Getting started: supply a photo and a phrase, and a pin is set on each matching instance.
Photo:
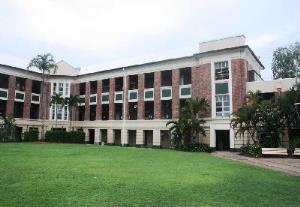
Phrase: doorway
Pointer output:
(91, 136)
(222, 140)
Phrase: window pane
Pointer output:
(222, 88)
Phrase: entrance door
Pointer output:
(91, 136)
(222, 140)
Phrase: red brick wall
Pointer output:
(11, 95)
(98, 108)
(27, 101)
(125, 94)
(201, 83)
(45, 100)
(157, 102)
(111, 98)
(175, 93)
(74, 90)
(239, 79)
(87, 101)
(141, 103)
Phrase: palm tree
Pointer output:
(72, 102)
(7, 128)
(190, 123)
(46, 65)
(57, 100)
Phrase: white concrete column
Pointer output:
(24, 129)
(40, 132)
(156, 137)
(139, 137)
(86, 132)
(97, 136)
(110, 136)
(124, 137)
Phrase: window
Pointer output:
(221, 70)
(54, 88)
(66, 113)
(222, 100)
(61, 88)
(67, 89)
(59, 112)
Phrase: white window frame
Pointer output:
(115, 95)
(104, 94)
(91, 96)
(35, 94)
(147, 90)
(185, 86)
(80, 97)
(137, 95)
(164, 88)
(4, 90)
(19, 100)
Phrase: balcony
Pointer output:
(19, 96)
(35, 98)
(149, 94)
(105, 98)
(93, 99)
(118, 97)
(166, 93)
(185, 91)
(132, 95)
(3, 94)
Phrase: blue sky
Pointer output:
(97, 35)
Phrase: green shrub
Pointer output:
(31, 136)
(252, 150)
(195, 147)
(58, 136)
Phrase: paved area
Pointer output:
(286, 165)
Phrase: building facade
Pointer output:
(131, 105)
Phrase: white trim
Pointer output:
(91, 96)
(147, 90)
(118, 93)
(185, 86)
(167, 88)
(35, 94)
(133, 91)
(103, 94)
(4, 90)
(213, 87)
(80, 97)
(223, 126)
(19, 100)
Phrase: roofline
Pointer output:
(149, 63)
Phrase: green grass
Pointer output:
(86, 175)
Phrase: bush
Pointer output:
(31, 136)
(65, 137)
(252, 150)
(195, 147)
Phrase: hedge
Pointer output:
(31, 136)
(252, 150)
(65, 137)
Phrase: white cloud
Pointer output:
(12, 60)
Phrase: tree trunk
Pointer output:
(43, 105)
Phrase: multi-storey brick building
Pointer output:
(131, 105)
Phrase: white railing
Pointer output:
(148, 91)
(17, 98)
(33, 100)
(3, 94)
(106, 101)
(163, 90)
(118, 97)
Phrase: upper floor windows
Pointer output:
(221, 70)
(62, 88)
(149, 80)
(166, 78)
(185, 76)
(222, 100)
(20, 84)
(105, 85)
(82, 88)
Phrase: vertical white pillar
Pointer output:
(86, 132)
(139, 137)
(156, 137)
(110, 136)
(97, 136)
(124, 137)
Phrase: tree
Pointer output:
(245, 119)
(46, 65)
(72, 102)
(286, 61)
(7, 128)
(57, 100)
(289, 109)
(189, 126)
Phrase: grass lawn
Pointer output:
(87, 175)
